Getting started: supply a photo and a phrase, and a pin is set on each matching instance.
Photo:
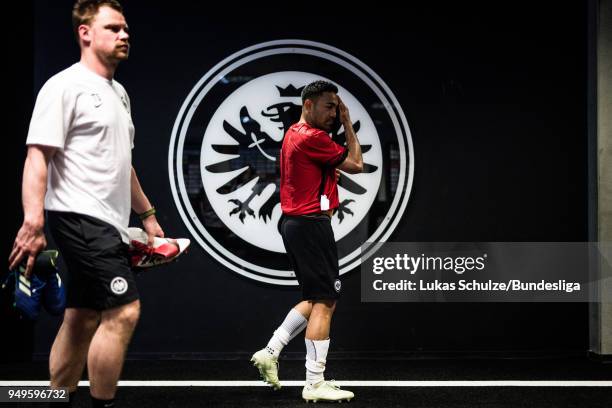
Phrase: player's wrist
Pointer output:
(34, 222)
(150, 212)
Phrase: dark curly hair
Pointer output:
(315, 89)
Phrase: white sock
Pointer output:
(316, 357)
(293, 324)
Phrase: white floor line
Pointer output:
(500, 383)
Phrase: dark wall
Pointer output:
(19, 97)
(496, 102)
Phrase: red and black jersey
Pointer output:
(306, 153)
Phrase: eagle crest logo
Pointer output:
(225, 144)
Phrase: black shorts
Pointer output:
(311, 247)
(99, 272)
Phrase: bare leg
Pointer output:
(69, 350)
(320, 319)
(108, 347)
(305, 308)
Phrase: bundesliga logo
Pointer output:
(225, 146)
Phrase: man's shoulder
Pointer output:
(67, 74)
(318, 138)
(307, 133)
(64, 79)
(119, 86)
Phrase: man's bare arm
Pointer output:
(31, 239)
(140, 204)
(354, 160)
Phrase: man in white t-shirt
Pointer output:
(78, 168)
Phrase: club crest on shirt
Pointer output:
(337, 285)
(225, 147)
(97, 101)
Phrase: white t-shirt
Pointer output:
(87, 117)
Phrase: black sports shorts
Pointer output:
(311, 247)
(99, 272)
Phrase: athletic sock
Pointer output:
(100, 403)
(293, 324)
(316, 357)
